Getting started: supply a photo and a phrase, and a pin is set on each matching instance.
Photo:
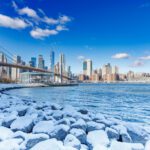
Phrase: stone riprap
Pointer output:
(26, 124)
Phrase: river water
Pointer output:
(130, 102)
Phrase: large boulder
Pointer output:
(137, 133)
(112, 133)
(79, 124)
(51, 144)
(91, 126)
(124, 135)
(97, 138)
(5, 133)
(79, 134)
(72, 141)
(24, 124)
(44, 127)
(115, 145)
(10, 144)
(60, 132)
(32, 139)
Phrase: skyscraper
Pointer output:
(87, 67)
(115, 70)
(41, 62)
(62, 65)
(33, 62)
(52, 60)
(107, 69)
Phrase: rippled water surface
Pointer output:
(130, 102)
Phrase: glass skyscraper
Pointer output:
(52, 60)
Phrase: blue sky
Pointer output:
(103, 30)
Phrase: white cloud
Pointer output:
(50, 20)
(64, 19)
(80, 57)
(61, 28)
(13, 23)
(28, 11)
(145, 57)
(121, 56)
(39, 33)
(137, 64)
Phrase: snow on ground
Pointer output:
(27, 124)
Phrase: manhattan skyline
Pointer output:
(107, 32)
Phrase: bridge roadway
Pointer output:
(31, 68)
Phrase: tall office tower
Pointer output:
(115, 70)
(69, 71)
(41, 62)
(62, 65)
(4, 71)
(107, 69)
(87, 67)
(15, 72)
(33, 61)
(52, 60)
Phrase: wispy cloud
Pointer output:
(145, 57)
(13, 23)
(121, 56)
(137, 64)
(39, 33)
(81, 57)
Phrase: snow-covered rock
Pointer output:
(84, 147)
(57, 114)
(79, 124)
(10, 144)
(112, 133)
(126, 146)
(5, 133)
(147, 145)
(122, 130)
(7, 121)
(32, 139)
(51, 144)
(44, 127)
(91, 126)
(60, 132)
(72, 141)
(79, 134)
(97, 138)
(137, 133)
(65, 121)
(24, 124)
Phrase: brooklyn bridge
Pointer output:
(9, 62)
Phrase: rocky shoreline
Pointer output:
(29, 125)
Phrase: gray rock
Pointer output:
(24, 124)
(80, 124)
(112, 134)
(91, 126)
(72, 141)
(60, 132)
(79, 134)
(83, 111)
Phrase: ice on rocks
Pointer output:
(79, 134)
(91, 126)
(51, 144)
(124, 135)
(24, 124)
(57, 114)
(32, 139)
(72, 141)
(137, 133)
(65, 121)
(115, 145)
(97, 138)
(147, 145)
(112, 134)
(79, 124)
(44, 127)
(5, 133)
(60, 132)
(10, 144)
